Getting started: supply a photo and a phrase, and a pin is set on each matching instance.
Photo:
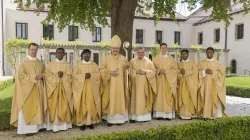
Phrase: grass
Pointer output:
(6, 98)
(238, 81)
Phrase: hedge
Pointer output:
(6, 83)
(234, 128)
(5, 120)
(238, 91)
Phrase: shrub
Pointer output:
(238, 91)
(5, 120)
(234, 128)
(6, 83)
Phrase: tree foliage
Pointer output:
(87, 13)
(14, 47)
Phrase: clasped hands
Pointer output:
(39, 76)
(140, 72)
(209, 71)
(162, 71)
(182, 71)
(87, 75)
(114, 73)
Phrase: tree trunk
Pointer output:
(122, 18)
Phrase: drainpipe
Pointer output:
(225, 38)
(2, 39)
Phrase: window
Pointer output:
(239, 31)
(73, 33)
(96, 58)
(48, 31)
(200, 38)
(217, 35)
(22, 30)
(71, 59)
(177, 37)
(97, 35)
(52, 56)
(158, 37)
(139, 36)
(150, 56)
(234, 66)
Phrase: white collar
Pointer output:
(212, 59)
(60, 61)
(84, 62)
(140, 59)
(185, 60)
(164, 56)
(31, 58)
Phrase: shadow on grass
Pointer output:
(5, 110)
(5, 104)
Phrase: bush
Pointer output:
(5, 120)
(234, 128)
(238, 91)
(6, 83)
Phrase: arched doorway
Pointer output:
(234, 66)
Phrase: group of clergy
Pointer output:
(55, 97)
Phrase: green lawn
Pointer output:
(6, 98)
(238, 81)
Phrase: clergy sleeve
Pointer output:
(174, 67)
(179, 75)
(219, 73)
(67, 76)
(51, 80)
(193, 69)
(67, 81)
(132, 70)
(80, 77)
(96, 74)
(24, 77)
(96, 80)
(50, 77)
(156, 68)
(105, 73)
(150, 74)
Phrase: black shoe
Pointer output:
(159, 119)
(30, 134)
(42, 130)
(82, 127)
(109, 124)
(167, 119)
(205, 119)
(91, 126)
(119, 124)
(132, 121)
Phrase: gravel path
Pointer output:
(99, 129)
(236, 106)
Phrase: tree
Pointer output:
(13, 48)
(87, 13)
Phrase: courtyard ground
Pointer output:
(236, 106)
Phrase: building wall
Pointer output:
(35, 29)
(1, 41)
(239, 49)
